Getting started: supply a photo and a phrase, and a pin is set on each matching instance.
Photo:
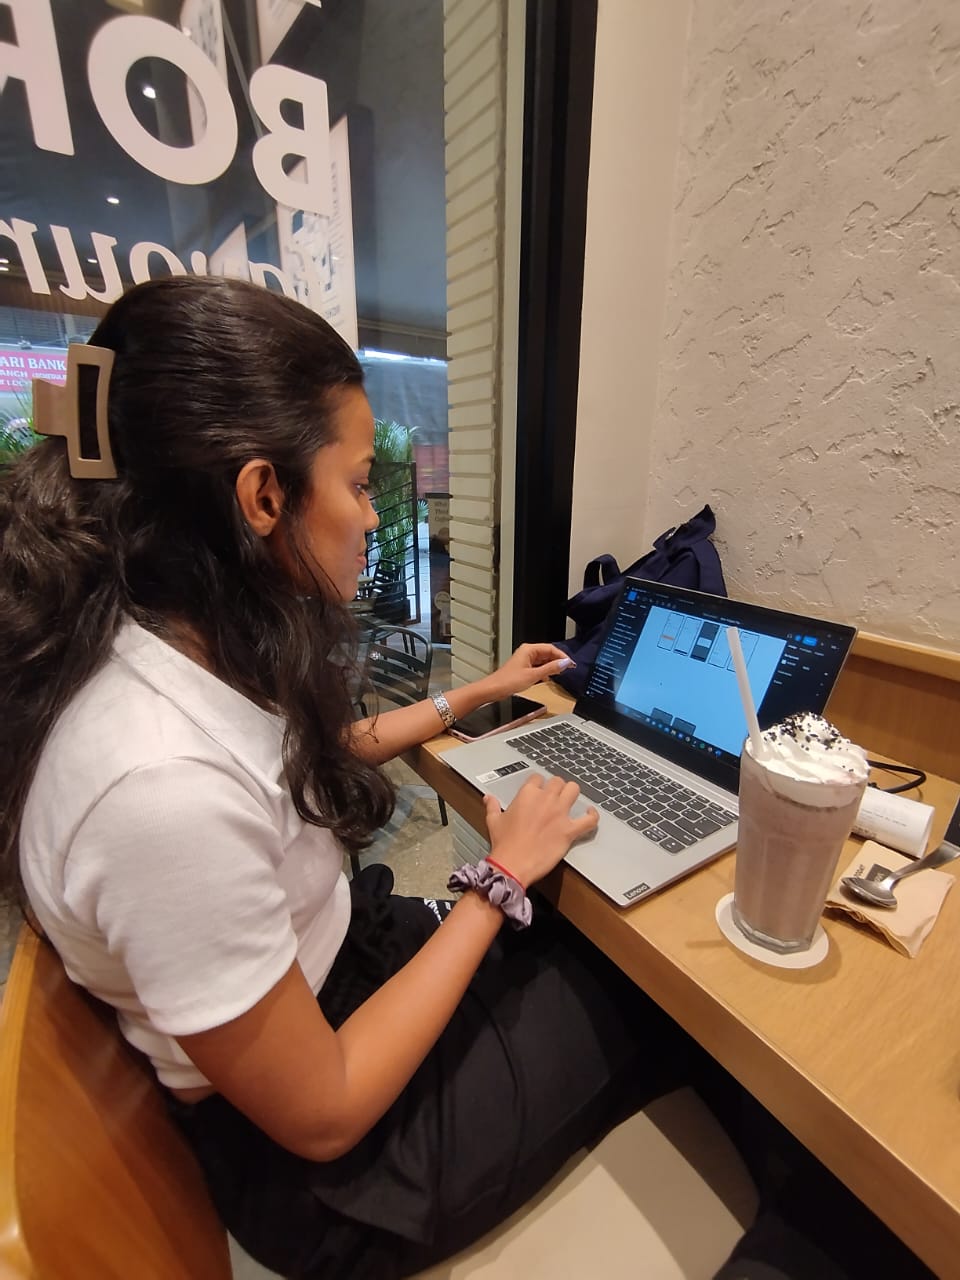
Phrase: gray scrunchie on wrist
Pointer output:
(502, 890)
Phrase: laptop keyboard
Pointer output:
(664, 811)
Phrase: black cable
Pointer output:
(916, 777)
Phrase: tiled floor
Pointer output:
(414, 844)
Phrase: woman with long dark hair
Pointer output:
(369, 1081)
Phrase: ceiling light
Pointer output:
(3, 268)
(93, 260)
(4, 259)
(149, 91)
(113, 199)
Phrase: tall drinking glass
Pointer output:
(792, 831)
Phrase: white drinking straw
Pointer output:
(746, 697)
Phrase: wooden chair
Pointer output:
(95, 1179)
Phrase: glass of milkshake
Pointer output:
(798, 803)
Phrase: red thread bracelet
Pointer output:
(500, 867)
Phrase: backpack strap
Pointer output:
(711, 570)
(603, 568)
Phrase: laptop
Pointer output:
(654, 742)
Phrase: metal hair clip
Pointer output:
(56, 411)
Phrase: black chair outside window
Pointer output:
(397, 666)
(388, 592)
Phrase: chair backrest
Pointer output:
(388, 592)
(385, 574)
(398, 664)
(95, 1178)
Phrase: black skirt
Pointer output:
(549, 1047)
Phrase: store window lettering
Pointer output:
(21, 233)
(33, 364)
(17, 368)
(123, 41)
(305, 191)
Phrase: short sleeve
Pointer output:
(176, 868)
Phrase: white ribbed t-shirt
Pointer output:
(163, 856)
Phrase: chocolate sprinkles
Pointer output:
(809, 732)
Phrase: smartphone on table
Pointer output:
(494, 717)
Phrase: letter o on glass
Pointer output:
(140, 255)
(114, 49)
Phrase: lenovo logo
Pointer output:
(637, 891)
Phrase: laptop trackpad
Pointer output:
(505, 788)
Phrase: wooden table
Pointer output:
(858, 1057)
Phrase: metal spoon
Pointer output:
(879, 893)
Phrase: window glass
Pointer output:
(295, 143)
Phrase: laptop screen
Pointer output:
(664, 675)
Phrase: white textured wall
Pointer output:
(809, 379)
(633, 153)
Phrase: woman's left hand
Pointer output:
(530, 663)
(398, 730)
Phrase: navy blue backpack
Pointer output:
(682, 557)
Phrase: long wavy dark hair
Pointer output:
(208, 374)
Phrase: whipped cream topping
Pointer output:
(806, 749)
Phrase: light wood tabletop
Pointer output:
(859, 1057)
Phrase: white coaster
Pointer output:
(816, 952)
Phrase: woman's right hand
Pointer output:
(531, 836)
